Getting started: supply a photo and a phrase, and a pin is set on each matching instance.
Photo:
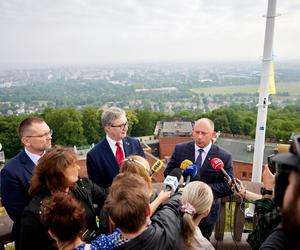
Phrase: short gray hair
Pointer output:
(111, 114)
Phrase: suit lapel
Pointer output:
(211, 154)
(27, 162)
(110, 156)
(190, 152)
(127, 147)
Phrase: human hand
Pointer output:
(268, 178)
(180, 190)
(242, 190)
(163, 196)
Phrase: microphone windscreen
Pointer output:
(191, 170)
(157, 166)
(176, 172)
(171, 183)
(216, 163)
(184, 164)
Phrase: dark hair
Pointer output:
(26, 124)
(63, 216)
(49, 172)
(127, 202)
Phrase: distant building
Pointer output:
(242, 151)
(169, 132)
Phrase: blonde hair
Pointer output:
(136, 164)
(198, 196)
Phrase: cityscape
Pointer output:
(162, 87)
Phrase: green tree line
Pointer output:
(81, 127)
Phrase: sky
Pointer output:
(121, 31)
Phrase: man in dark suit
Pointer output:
(35, 135)
(104, 160)
(200, 151)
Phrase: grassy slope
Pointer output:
(293, 88)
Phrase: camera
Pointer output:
(271, 164)
(284, 164)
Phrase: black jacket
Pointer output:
(33, 231)
(164, 231)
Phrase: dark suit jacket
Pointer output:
(15, 178)
(215, 179)
(102, 165)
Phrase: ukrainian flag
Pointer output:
(272, 88)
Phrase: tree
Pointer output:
(147, 121)
(9, 135)
(132, 121)
(222, 124)
(248, 126)
(67, 126)
(91, 124)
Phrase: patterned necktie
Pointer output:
(119, 154)
(199, 158)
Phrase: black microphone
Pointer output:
(217, 164)
(172, 180)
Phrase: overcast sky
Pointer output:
(105, 31)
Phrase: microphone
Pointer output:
(172, 180)
(217, 164)
(156, 167)
(185, 163)
(191, 172)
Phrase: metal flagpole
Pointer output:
(263, 102)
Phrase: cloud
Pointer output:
(91, 31)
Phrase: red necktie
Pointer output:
(119, 154)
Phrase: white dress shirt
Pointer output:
(204, 152)
(112, 144)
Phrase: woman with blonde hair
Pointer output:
(138, 165)
(196, 201)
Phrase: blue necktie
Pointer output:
(199, 158)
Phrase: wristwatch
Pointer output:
(264, 191)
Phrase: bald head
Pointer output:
(203, 132)
(207, 122)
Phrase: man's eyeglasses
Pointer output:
(50, 132)
(122, 126)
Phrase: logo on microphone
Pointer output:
(172, 182)
(216, 163)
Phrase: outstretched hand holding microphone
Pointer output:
(217, 164)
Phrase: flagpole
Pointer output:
(263, 102)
